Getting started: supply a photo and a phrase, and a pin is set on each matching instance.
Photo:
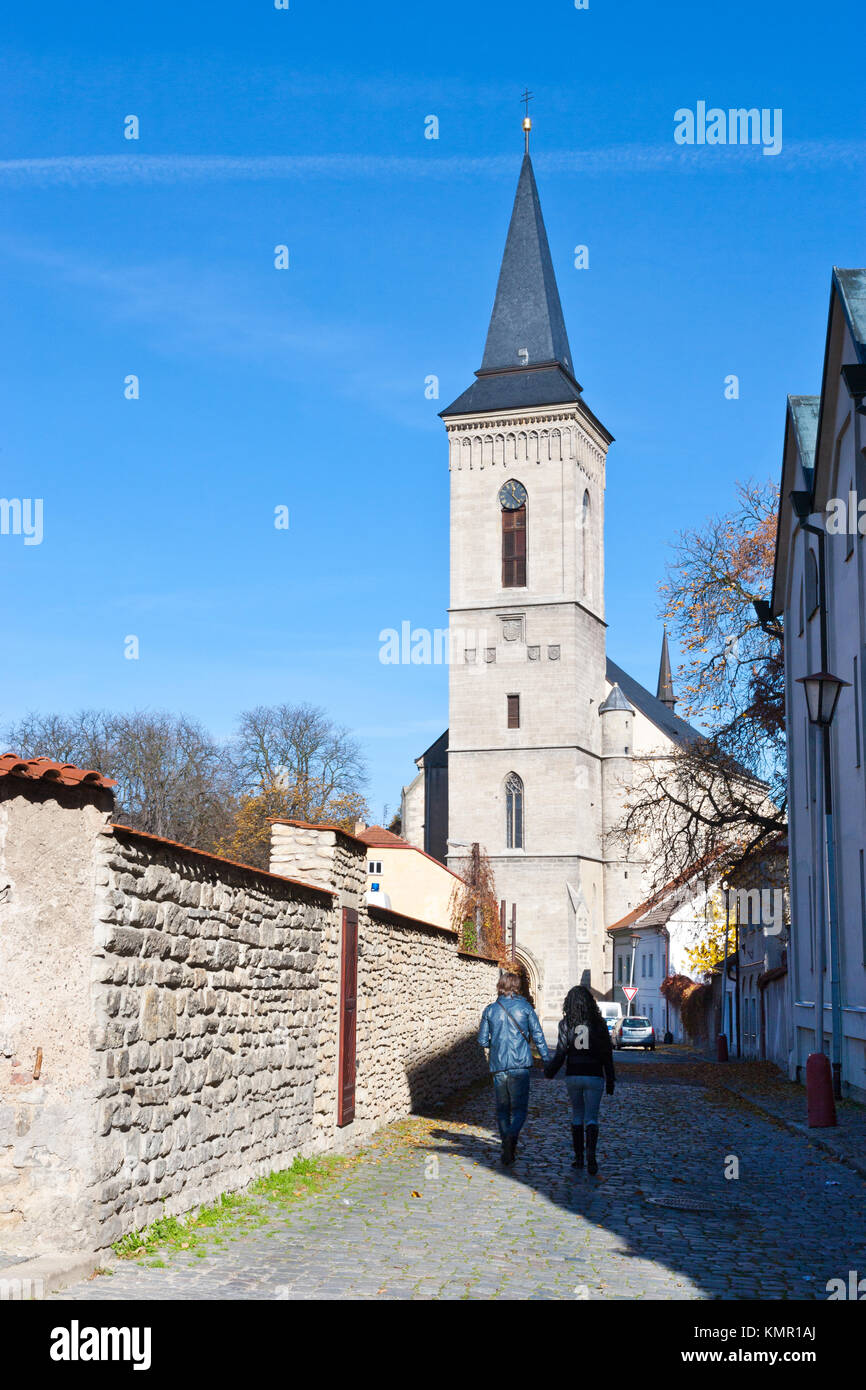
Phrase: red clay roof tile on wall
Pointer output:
(44, 770)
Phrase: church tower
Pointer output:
(527, 677)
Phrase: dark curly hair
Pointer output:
(579, 1007)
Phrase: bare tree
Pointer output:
(296, 748)
(173, 778)
(726, 787)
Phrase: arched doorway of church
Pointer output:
(528, 978)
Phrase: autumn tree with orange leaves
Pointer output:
(725, 789)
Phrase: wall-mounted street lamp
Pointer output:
(822, 696)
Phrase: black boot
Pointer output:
(508, 1146)
(577, 1141)
(591, 1142)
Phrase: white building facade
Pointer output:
(825, 461)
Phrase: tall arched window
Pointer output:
(584, 542)
(512, 501)
(513, 811)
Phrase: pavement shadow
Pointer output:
(680, 1215)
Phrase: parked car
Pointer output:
(635, 1032)
(611, 1013)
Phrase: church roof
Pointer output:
(527, 357)
(515, 390)
(527, 313)
(676, 729)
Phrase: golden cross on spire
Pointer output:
(527, 123)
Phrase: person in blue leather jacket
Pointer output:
(507, 1026)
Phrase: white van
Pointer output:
(611, 1012)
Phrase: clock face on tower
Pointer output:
(512, 495)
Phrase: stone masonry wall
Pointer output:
(169, 1021)
(419, 1007)
(208, 1011)
(419, 999)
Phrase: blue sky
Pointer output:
(305, 388)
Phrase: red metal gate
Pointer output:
(348, 1016)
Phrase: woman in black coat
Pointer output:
(585, 1047)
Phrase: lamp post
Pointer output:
(822, 695)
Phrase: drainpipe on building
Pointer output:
(804, 507)
(835, 981)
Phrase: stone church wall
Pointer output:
(185, 1014)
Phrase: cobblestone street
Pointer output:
(430, 1213)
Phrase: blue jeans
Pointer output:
(512, 1100)
(585, 1094)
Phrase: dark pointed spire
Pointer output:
(526, 327)
(665, 691)
(527, 358)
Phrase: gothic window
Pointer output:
(584, 541)
(513, 811)
(514, 547)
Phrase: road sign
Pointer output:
(629, 991)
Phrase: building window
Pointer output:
(513, 811)
(514, 548)
(811, 584)
(375, 866)
(513, 711)
(802, 612)
(651, 967)
(584, 542)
